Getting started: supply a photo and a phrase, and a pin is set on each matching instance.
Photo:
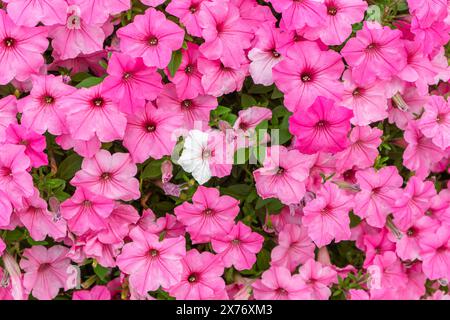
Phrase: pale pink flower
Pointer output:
(8, 114)
(435, 121)
(90, 113)
(435, 253)
(321, 127)
(42, 109)
(152, 263)
(167, 226)
(21, 49)
(152, 37)
(238, 247)
(30, 12)
(327, 216)
(208, 215)
(317, 279)
(303, 79)
(104, 253)
(298, 14)
(98, 11)
(45, 271)
(379, 191)
(130, 82)
(295, 247)
(96, 293)
(84, 148)
(201, 278)
(109, 175)
(150, 132)
(188, 12)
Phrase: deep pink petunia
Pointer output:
(435, 253)
(306, 73)
(150, 132)
(110, 175)
(152, 37)
(152, 263)
(239, 247)
(209, 214)
(435, 121)
(188, 12)
(321, 127)
(130, 82)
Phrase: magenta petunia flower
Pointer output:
(188, 12)
(303, 79)
(109, 175)
(30, 12)
(428, 11)
(239, 247)
(21, 49)
(149, 132)
(42, 109)
(298, 14)
(90, 113)
(318, 278)
(8, 114)
(208, 215)
(435, 122)
(152, 37)
(5, 209)
(201, 278)
(46, 271)
(295, 247)
(322, 127)
(86, 211)
(435, 253)
(152, 263)
(130, 82)
(327, 216)
(379, 191)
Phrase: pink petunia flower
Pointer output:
(428, 11)
(149, 132)
(122, 219)
(45, 271)
(322, 127)
(389, 270)
(375, 52)
(379, 191)
(96, 293)
(109, 175)
(277, 283)
(42, 109)
(167, 226)
(239, 247)
(298, 14)
(21, 49)
(431, 37)
(209, 214)
(435, 121)
(435, 253)
(104, 253)
(188, 12)
(130, 82)
(30, 12)
(6, 210)
(327, 216)
(317, 279)
(284, 175)
(152, 263)
(90, 113)
(98, 11)
(295, 247)
(201, 278)
(86, 211)
(152, 37)
(303, 79)
(8, 114)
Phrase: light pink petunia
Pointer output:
(30, 12)
(201, 278)
(327, 216)
(277, 283)
(21, 49)
(98, 11)
(318, 278)
(42, 109)
(239, 247)
(294, 247)
(324, 127)
(104, 253)
(379, 191)
(375, 52)
(167, 226)
(86, 211)
(152, 263)
(413, 202)
(90, 113)
(389, 270)
(264, 55)
(226, 36)
(435, 121)
(209, 214)
(435, 253)
(8, 114)
(6, 209)
(195, 111)
(306, 73)
(96, 293)
(298, 14)
(188, 12)
(362, 151)
(431, 37)
(130, 82)
(119, 223)
(76, 35)
(284, 175)
(152, 37)
(109, 175)
(149, 132)
(46, 271)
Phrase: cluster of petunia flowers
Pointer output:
(339, 82)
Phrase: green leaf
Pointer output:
(175, 62)
(247, 101)
(36, 243)
(55, 183)
(101, 272)
(152, 170)
(239, 191)
(263, 261)
(276, 94)
(89, 82)
(69, 166)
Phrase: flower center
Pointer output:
(236, 241)
(126, 75)
(9, 42)
(332, 11)
(280, 170)
(208, 212)
(371, 46)
(49, 99)
(98, 102)
(306, 77)
(440, 118)
(193, 9)
(150, 127)
(153, 41)
(87, 203)
(154, 253)
(276, 54)
(105, 176)
(73, 22)
(5, 172)
(411, 232)
(207, 154)
(321, 124)
(281, 291)
(192, 278)
(186, 103)
(189, 69)
(44, 267)
(356, 92)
